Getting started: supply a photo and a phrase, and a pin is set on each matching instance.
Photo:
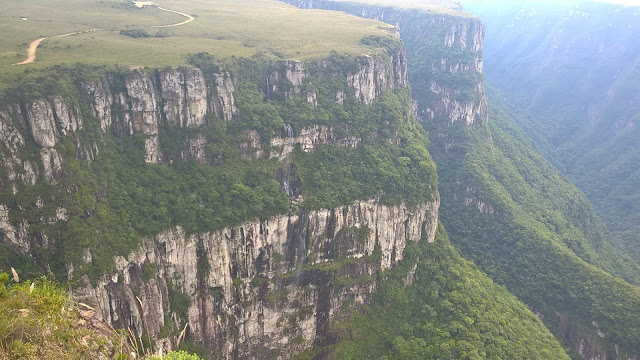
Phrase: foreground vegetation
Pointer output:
(39, 320)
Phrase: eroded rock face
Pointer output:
(152, 151)
(144, 104)
(223, 104)
(457, 89)
(376, 75)
(587, 340)
(309, 139)
(261, 274)
(68, 118)
(100, 94)
(42, 124)
(184, 94)
(263, 285)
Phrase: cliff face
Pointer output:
(264, 289)
(141, 102)
(445, 54)
(454, 88)
(261, 289)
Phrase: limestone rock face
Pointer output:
(184, 95)
(10, 136)
(42, 124)
(295, 72)
(52, 164)
(144, 104)
(376, 75)
(462, 99)
(8, 233)
(68, 118)
(223, 104)
(196, 96)
(586, 341)
(309, 139)
(152, 151)
(101, 101)
(260, 273)
(195, 149)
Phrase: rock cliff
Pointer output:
(454, 88)
(445, 53)
(264, 289)
(261, 289)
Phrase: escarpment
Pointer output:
(446, 58)
(190, 196)
(263, 289)
(487, 215)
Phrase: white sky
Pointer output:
(623, 2)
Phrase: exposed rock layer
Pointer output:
(267, 282)
(261, 285)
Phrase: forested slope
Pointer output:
(570, 72)
(451, 310)
(505, 207)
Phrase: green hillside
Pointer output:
(451, 311)
(542, 242)
(571, 72)
(505, 207)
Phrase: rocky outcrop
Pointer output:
(588, 341)
(263, 289)
(449, 45)
(68, 118)
(260, 286)
(309, 139)
(42, 124)
(144, 104)
(184, 94)
(375, 76)
(223, 103)
(100, 94)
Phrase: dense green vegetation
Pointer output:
(404, 172)
(118, 199)
(576, 97)
(542, 240)
(451, 311)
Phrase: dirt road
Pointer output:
(189, 18)
(33, 47)
(31, 54)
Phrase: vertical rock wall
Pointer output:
(270, 287)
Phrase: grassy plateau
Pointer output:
(221, 27)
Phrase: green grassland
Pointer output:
(221, 27)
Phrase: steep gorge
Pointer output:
(264, 202)
(506, 208)
(258, 288)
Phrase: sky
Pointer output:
(622, 2)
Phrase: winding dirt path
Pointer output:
(31, 54)
(189, 18)
(33, 47)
